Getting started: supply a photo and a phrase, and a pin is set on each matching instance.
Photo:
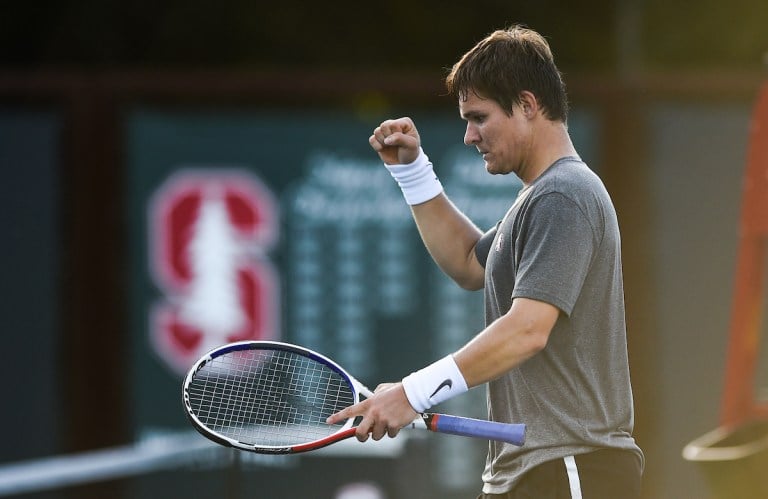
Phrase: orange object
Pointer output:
(739, 402)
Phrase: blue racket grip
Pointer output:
(468, 427)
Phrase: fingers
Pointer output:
(383, 414)
(383, 386)
(353, 411)
(400, 132)
(368, 427)
(375, 429)
(349, 412)
(377, 143)
(396, 141)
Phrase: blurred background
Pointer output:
(169, 164)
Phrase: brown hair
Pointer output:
(506, 63)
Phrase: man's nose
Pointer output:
(471, 136)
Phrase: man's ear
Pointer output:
(529, 104)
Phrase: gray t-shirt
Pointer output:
(560, 244)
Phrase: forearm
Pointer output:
(450, 237)
(506, 343)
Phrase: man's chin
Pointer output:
(492, 170)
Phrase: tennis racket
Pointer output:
(274, 398)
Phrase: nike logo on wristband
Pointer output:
(448, 382)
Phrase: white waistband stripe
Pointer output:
(573, 477)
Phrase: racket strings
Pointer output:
(268, 397)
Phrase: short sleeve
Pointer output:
(483, 246)
(555, 249)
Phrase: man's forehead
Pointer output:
(473, 103)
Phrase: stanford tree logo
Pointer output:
(210, 231)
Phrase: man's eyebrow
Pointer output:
(471, 114)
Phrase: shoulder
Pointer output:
(568, 175)
(570, 192)
(572, 180)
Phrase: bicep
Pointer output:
(475, 274)
(477, 260)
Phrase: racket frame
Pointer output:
(345, 430)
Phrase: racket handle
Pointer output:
(468, 427)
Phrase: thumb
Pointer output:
(407, 146)
(401, 139)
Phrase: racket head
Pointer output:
(268, 397)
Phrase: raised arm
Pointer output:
(449, 236)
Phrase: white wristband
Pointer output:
(434, 384)
(417, 180)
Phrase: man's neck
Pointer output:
(551, 143)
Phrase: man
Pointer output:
(554, 350)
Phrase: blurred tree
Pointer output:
(344, 34)
(350, 34)
(706, 33)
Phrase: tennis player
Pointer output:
(554, 349)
